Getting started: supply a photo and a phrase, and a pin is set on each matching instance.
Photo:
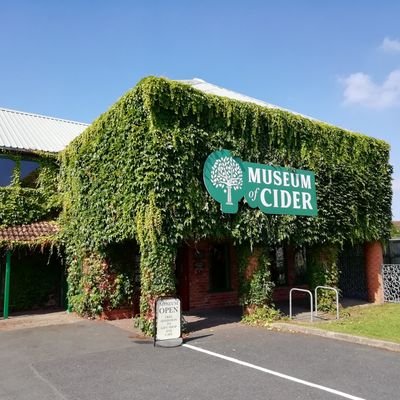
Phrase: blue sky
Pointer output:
(337, 61)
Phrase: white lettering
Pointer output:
(306, 197)
(254, 175)
(267, 180)
(286, 200)
(295, 182)
(286, 179)
(277, 178)
(296, 200)
(306, 181)
(276, 198)
(262, 197)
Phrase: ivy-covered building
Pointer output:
(30, 204)
(137, 222)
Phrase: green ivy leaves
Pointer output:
(20, 205)
(136, 173)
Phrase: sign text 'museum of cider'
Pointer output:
(274, 190)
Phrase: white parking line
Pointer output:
(278, 374)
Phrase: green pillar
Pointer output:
(7, 284)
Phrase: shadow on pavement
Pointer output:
(190, 338)
(211, 318)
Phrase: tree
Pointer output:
(395, 232)
(227, 174)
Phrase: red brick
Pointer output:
(199, 294)
(373, 263)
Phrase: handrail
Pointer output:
(290, 301)
(316, 299)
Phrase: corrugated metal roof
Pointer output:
(209, 88)
(27, 132)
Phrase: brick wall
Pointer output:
(252, 263)
(281, 293)
(199, 293)
(373, 262)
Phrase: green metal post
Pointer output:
(7, 284)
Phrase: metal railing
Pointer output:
(312, 300)
(316, 299)
(391, 282)
(290, 301)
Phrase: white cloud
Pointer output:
(396, 185)
(359, 88)
(390, 45)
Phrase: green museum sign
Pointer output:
(274, 190)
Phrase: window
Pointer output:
(392, 253)
(29, 173)
(219, 268)
(278, 266)
(300, 266)
(288, 266)
(6, 171)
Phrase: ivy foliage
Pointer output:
(94, 287)
(322, 268)
(255, 285)
(136, 173)
(23, 205)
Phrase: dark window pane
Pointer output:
(6, 169)
(219, 267)
(300, 266)
(29, 173)
(394, 252)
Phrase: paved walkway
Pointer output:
(209, 321)
(90, 360)
(212, 319)
(37, 319)
(202, 322)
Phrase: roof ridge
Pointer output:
(195, 82)
(43, 116)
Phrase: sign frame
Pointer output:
(176, 340)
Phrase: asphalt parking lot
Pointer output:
(99, 360)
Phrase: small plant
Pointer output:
(145, 325)
(262, 316)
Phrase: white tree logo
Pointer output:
(227, 174)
